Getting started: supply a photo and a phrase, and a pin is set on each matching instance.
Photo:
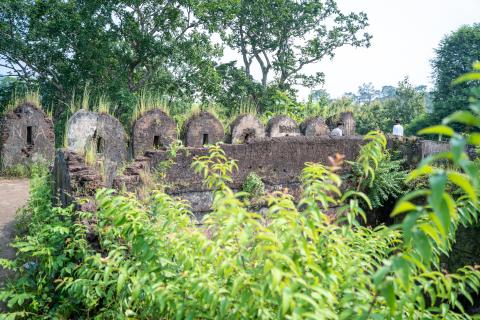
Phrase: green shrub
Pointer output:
(311, 260)
(386, 180)
(253, 185)
(136, 259)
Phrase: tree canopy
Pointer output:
(122, 48)
(284, 36)
(454, 57)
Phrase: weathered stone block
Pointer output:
(73, 179)
(348, 121)
(104, 133)
(202, 129)
(153, 130)
(277, 161)
(246, 128)
(314, 126)
(282, 126)
(26, 136)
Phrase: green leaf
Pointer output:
(402, 268)
(379, 276)
(402, 207)
(286, 300)
(430, 231)
(472, 76)
(462, 181)
(438, 129)
(388, 292)
(122, 277)
(474, 138)
(438, 203)
(464, 117)
(422, 171)
(422, 245)
(458, 145)
(408, 224)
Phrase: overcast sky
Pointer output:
(405, 34)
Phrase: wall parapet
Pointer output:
(277, 161)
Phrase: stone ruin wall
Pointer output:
(26, 136)
(277, 161)
(154, 129)
(276, 152)
(106, 137)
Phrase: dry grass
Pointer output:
(147, 101)
(32, 97)
(90, 154)
(85, 104)
(247, 106)
(103, 105)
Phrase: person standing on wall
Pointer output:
(397, 129)
(337, 132)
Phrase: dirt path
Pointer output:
(13, 195)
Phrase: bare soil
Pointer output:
(13, 195)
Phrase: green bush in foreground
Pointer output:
(148, 260)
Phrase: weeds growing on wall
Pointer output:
(147, 101)
(253, 185)
(29, 96)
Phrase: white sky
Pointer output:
(405, 34)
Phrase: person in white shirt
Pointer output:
(337, 132)
(398, 129)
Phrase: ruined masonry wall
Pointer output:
(72, 179)
(278, 162)
(26, 136)
(153, 130)
(105, 134)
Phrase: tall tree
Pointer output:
(284, 36)
(366, 93)
(454, 57)
(406, 104)
(120, 47)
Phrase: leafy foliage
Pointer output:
(138, 259)
(454, 57)
(376, 174)
(389, 182)
(307, 260)
(405, 104)
(253, 185)
(122, 47)
(283, 37)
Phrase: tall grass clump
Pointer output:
(30, 96)
(103, 105)
(147, 101)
